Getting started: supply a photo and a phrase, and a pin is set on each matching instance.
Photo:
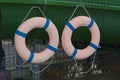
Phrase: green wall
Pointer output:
(106, 14)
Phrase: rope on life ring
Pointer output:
(25, 28)
(67, 33)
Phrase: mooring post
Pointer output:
(36, 76)
(19, 69)
(35, 67)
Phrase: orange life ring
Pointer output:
(67, 32)
(27, 26)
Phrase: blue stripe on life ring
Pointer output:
(46, 24)
(52, 48)
(90, 24)
(31, 57)
(22, 34)
(70, 26)
(93, 46)
(74, 53)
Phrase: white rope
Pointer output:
(20, 64)
(43, 68)
(92, 65)
(30, 12)
(86, 11)
(44, 7)
(74, 12)
(79, 67)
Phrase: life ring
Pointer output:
(25, 28)
(67, 32)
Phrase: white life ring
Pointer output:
(27, 26)
(67, 32)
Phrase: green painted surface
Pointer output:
(100, 4)
(106, 14)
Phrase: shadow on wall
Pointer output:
(2, 53)
(4, 74)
